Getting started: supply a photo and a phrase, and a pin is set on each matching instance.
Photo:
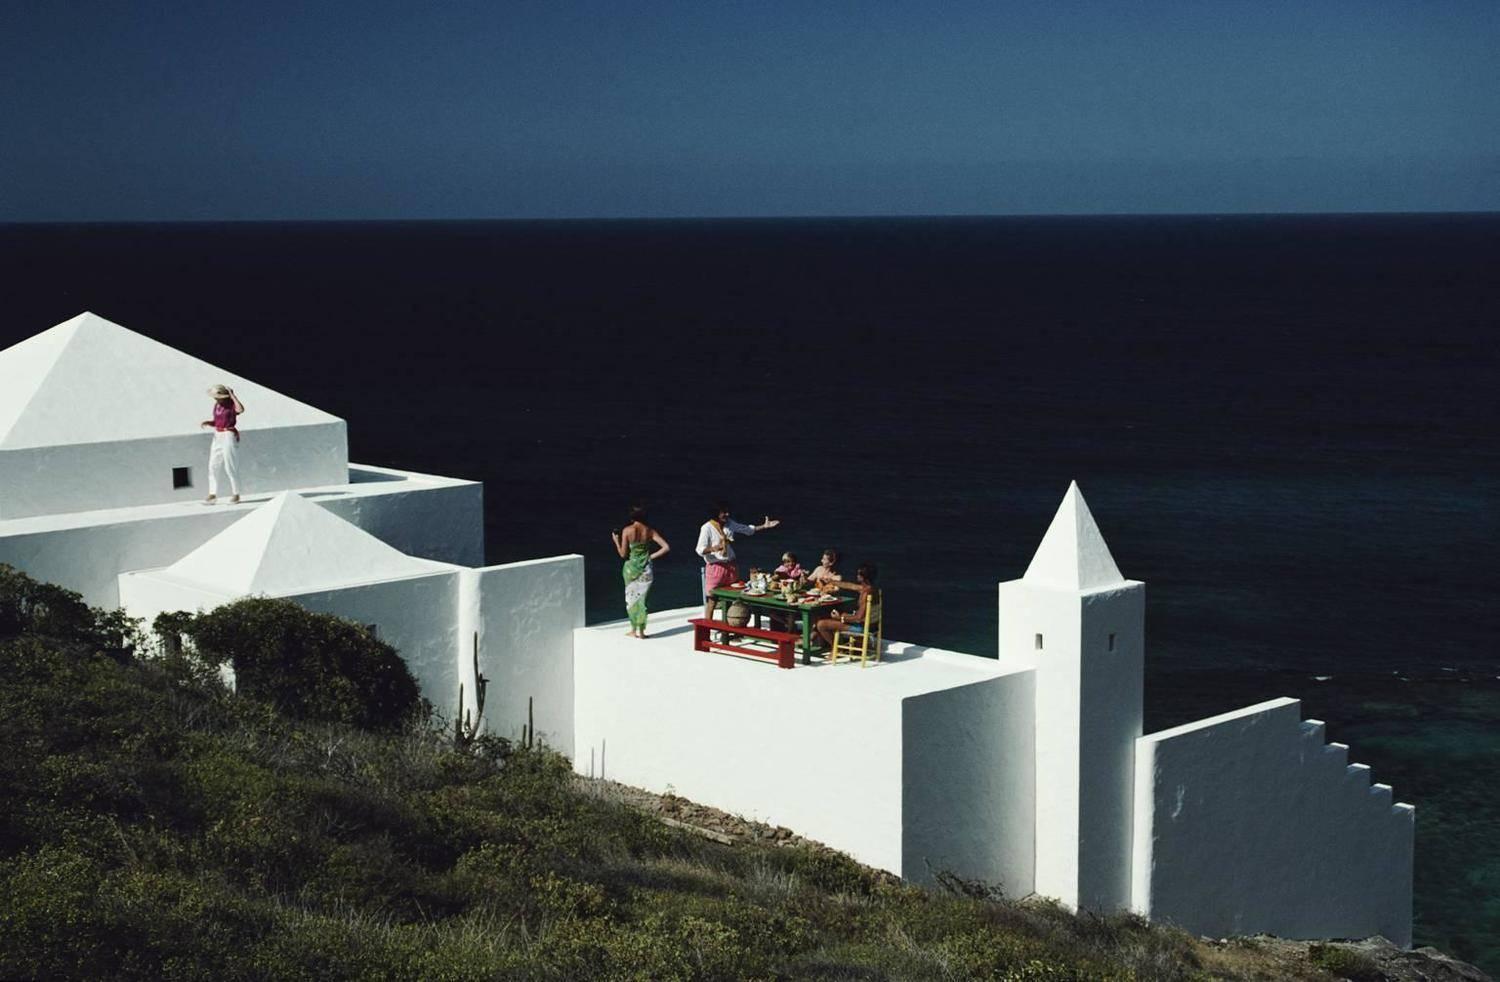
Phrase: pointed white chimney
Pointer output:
(1073, 555)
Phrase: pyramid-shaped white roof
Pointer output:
(89, 380)
(290, 545)
(1073, 555)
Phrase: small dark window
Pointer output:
(374, 630)
(182, 477)
(1111, 642)
(1038, 642)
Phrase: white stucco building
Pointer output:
(1029, 770)
(101, 491)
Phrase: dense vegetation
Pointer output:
(308, 666)
(155, 826)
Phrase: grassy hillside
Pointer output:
(155, 826)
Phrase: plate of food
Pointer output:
(736, 585)
(754, 593)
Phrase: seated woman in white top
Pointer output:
(827, 571)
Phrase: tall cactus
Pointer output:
(466, 727)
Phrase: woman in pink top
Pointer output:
(225, 451)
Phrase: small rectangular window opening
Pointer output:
(1038, 642)
(1111, 642)
(374, 630)
(182, 477)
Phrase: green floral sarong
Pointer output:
(638, 579)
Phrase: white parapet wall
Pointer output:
(525, 615)
(423, 515)
(916, 765)
(965, 752)
(44, 480)
(1250, 823)
(428, 517)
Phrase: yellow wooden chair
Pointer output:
(859, 640)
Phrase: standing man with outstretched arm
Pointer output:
(716, 546)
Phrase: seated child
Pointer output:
(790, 569)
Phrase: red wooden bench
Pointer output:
(786, 642)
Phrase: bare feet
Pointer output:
(234, 500)
(210, 499)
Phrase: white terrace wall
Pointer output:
(1249, 823)
(863, 760)
(443, 522)
(525, 615)
(85, 476)
(438, 518)
(968, 760)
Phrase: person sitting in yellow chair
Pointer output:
(851, 623)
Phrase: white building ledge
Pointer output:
(365, 481)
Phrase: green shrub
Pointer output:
(1346, 963)
(310, 666)
(47, 610)
(833, 872)
(48, 922)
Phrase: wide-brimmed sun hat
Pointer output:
(219, 391)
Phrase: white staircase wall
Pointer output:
(1249, 823)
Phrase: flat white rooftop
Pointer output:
(904, 669)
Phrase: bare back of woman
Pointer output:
(633, 543)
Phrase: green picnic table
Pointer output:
(772, 601)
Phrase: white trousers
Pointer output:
(225, 453)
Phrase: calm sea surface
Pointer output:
(1286, 426)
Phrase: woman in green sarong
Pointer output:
(633, 543)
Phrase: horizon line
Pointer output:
(752, 218)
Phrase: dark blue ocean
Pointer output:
(1286, 426)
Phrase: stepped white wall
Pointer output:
(85, 476)
(1250, 823)
(525, 614)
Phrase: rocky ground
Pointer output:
(1257, 958)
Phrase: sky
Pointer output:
(559, 109)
